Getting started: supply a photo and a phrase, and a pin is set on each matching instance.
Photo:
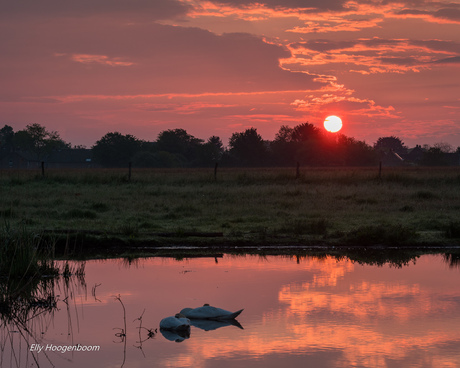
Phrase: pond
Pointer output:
(307, 311)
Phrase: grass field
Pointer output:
(331, 206)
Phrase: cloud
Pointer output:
(331, 16)
(158, 9)
(286, 4)
(316, 104)
(323, 45)
(451, 60)
(403, 61)
(452, 14)
(370, 55)
(98, 59)
(438, 12)
(438, 45)
(63, 58)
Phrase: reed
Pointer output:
(19, 252)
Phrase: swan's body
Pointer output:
(214, 324)
(177, 323)
(209, 312)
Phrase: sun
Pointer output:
(333, 124)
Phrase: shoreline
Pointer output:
(84, 246)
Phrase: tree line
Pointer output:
(304, 144)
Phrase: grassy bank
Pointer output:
(333, 206)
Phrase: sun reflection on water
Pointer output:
(325, 312)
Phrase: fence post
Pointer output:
(43, 168)
(129, 171)
(297, 170)
(380, 169)
(215, 171)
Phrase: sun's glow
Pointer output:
(333, 124)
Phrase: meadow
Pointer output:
(322, 206)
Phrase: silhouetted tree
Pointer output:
(248, 148)
(309, 142)
(305, 143)
(285, 134)
(177, 141)
(434, 156)
(181, 144)
(306, 132)
(444, 147)
(354, 152)
(157, 159)
(6, 140)
(37, 140)
(284, 150)
(212, 151)
(115, 149)
(387, 144)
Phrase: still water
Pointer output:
(307, 312)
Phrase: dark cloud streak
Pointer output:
(334, 5)
(153, 59)
(153, 9)
(451, 60)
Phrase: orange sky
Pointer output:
(220, 66)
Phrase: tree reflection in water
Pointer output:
(452, 259)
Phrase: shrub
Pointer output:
(453, 230)
(100, 207)
(80, 214)
(303, 227)
(423, 194)
(381, 234)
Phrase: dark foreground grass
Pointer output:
(344, 206)
(24, 254)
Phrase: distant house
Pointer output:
(73, 158)
(453, 159)
(391, 158)
(420, 156)
(414, 155)
(19, 160)
(76, 158)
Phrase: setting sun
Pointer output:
(333, 124)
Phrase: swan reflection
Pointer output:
(176, 336)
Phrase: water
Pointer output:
(297, 313)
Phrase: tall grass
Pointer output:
(23, 253)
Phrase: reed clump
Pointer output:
(23, 253)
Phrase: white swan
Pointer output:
(177, 323)
(209, 312)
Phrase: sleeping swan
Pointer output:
(177, 323)
(209, 312)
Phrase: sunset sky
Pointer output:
(88, 67)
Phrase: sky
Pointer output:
(85, 68)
